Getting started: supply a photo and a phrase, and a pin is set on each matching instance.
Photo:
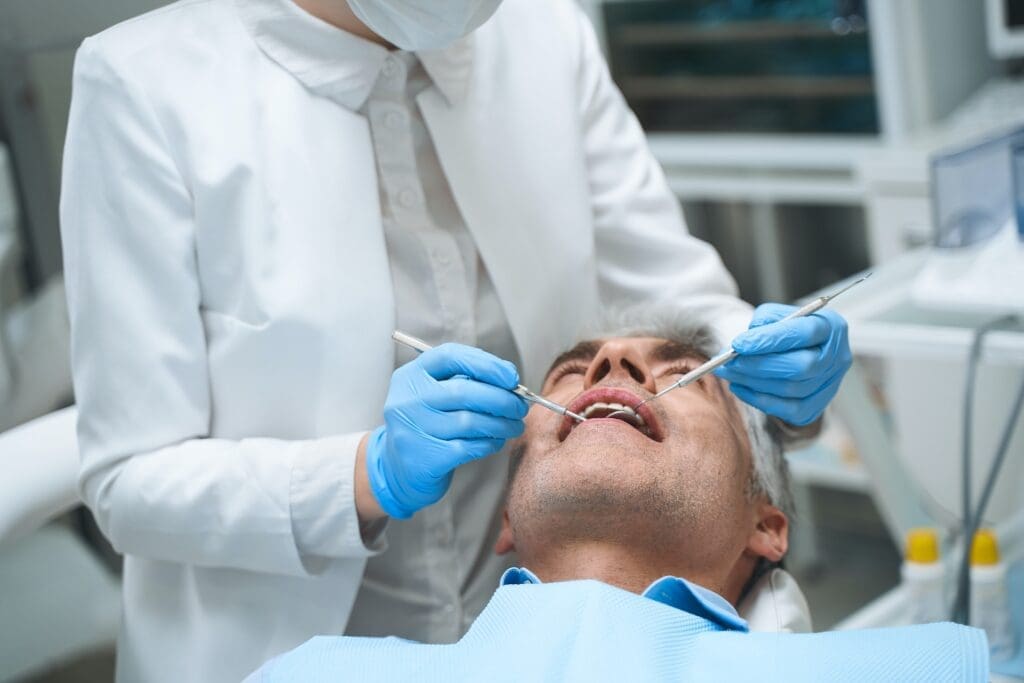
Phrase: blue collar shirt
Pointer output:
(668, 590)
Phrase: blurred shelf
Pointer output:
(798, 169)
(745, 87)
(767, 152)
(637, 35)
(776, 187)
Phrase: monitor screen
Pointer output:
(1013, 11)
(1004, 21)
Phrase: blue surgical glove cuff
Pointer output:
(375, 446)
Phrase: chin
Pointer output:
(604, 475)
(610, 446)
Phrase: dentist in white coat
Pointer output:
(256, 193)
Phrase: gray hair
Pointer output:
(770, 473)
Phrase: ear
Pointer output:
(770, 536)
(505, 542)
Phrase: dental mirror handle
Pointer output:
(419, 345)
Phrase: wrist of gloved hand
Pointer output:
(450, 406)
(376, 472)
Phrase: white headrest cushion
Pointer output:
(776, 604)
(38, 472)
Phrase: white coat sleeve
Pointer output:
(158, 488)
(644, 251)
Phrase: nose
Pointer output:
(619, 360)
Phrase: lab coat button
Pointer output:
(408, 198)
(393, 69)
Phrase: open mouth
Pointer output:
(610, 403)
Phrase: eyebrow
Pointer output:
(673, 350)
(583, 351)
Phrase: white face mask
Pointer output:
(423, 24)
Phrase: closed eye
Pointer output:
(674, 372)
(679, 370)
(565, 369)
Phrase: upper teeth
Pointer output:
(614, 407)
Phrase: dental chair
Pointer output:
(56, 599)
(775, 604)
(59, 600)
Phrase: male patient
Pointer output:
(638, 532)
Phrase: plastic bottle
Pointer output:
(990, 604)
(924, 577)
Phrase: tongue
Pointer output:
(615, 414)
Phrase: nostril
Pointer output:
(636, 373)
(603, 369)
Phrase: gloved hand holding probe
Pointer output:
(450, 405)
(789, 368)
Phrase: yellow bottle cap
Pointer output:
(922, 546)
(985, 548)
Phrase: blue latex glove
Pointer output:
(447, 407)
(789, 369)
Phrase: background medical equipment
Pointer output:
(925, 577)
(919, 333)
(955, 304)
(521, 391)
(726, 356)
(990, 601)
(911, 440)
(978, 195)
(1005, 23)
(35, 374)
(58, 599)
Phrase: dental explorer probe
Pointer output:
(721, 359)
(521, 391)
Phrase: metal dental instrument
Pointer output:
(521, 391)
(726, 356)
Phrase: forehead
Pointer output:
(653, 349)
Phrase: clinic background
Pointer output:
(806, 139)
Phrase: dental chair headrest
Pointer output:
(776, 604)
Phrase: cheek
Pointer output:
(539, 422)
(542, 422)
(711, 452)
(565, 389)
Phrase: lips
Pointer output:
(651, 426)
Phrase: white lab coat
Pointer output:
(231, 300)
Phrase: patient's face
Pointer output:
(679, 473)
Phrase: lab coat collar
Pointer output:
(451, 68)
(668, 590)
(338, 64)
